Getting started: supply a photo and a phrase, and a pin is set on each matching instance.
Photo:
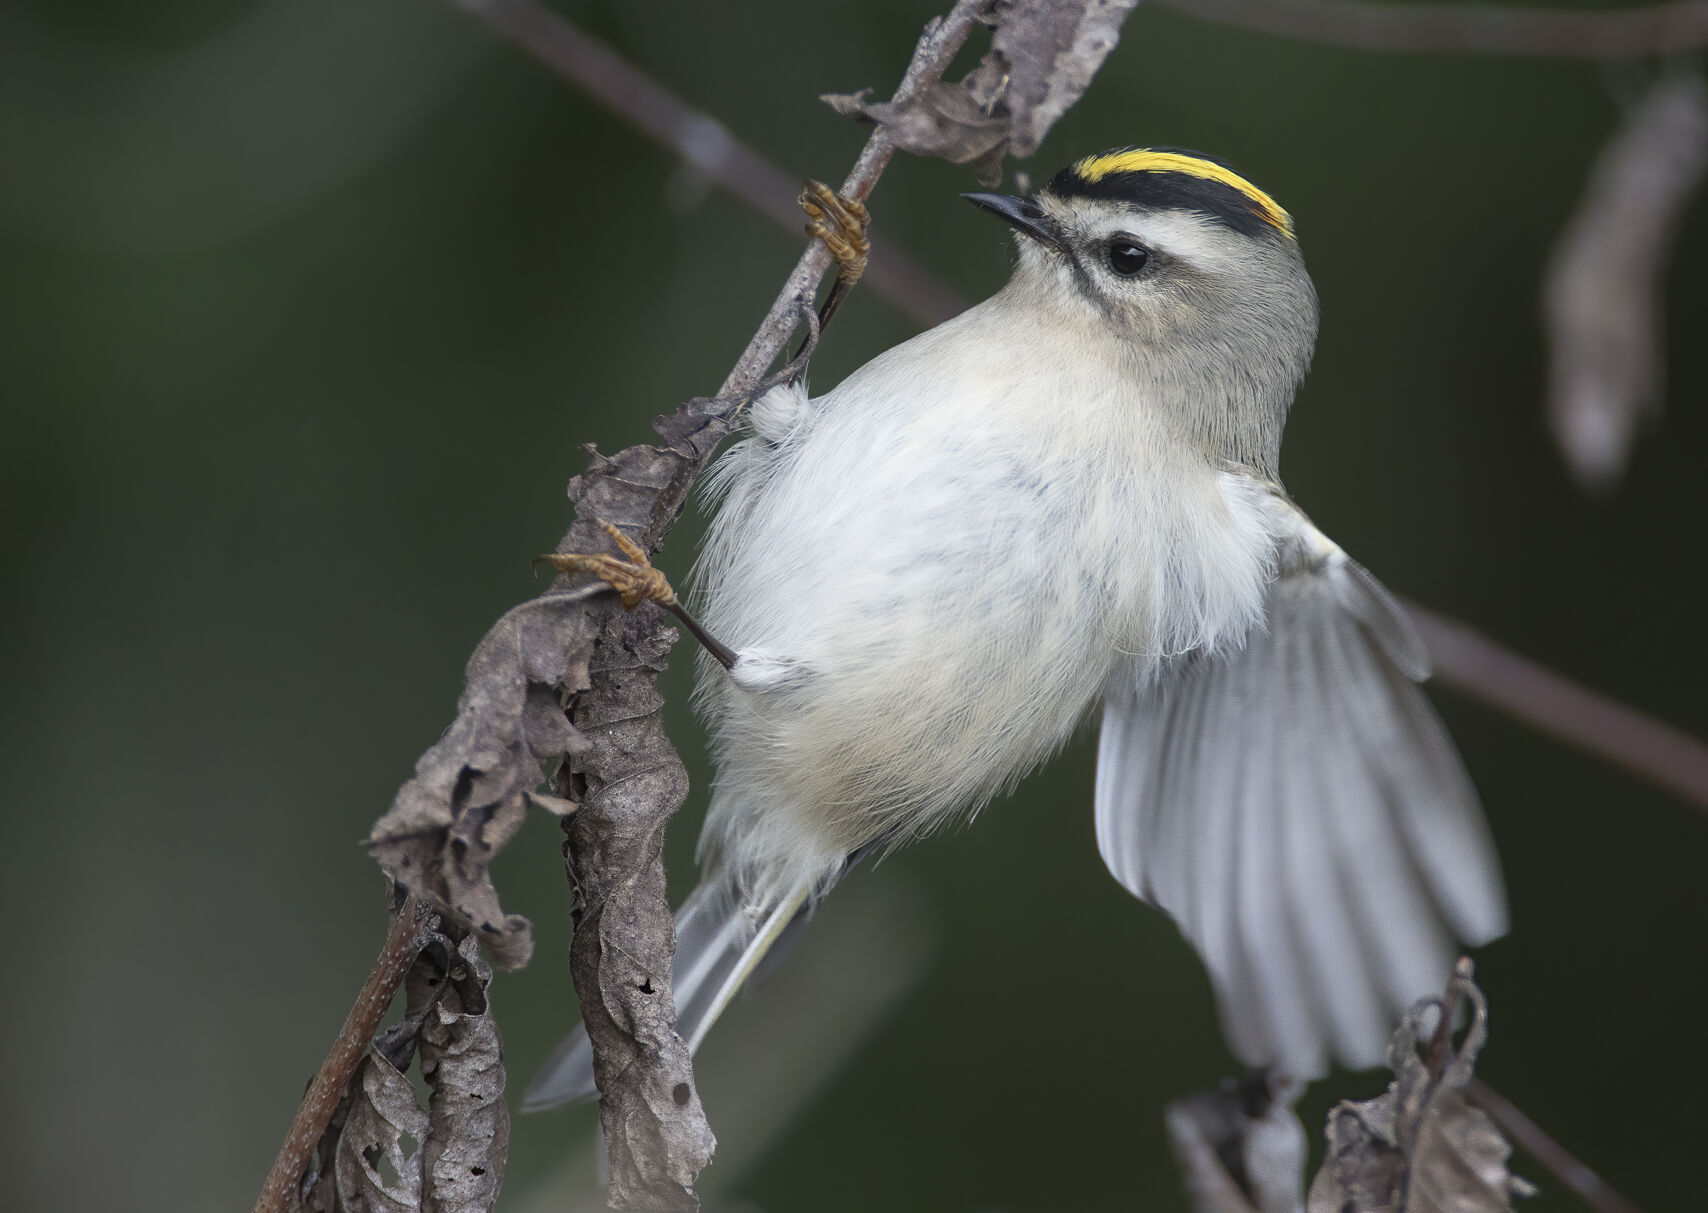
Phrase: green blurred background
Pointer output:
(305, 311)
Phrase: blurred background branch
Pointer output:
(1483, 29)
(1474, 665)
(1529, 1136)
(1602, 296)
(706, 146)
(213, 142)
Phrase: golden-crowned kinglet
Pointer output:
(1065, 496)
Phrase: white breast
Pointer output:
(932, 571)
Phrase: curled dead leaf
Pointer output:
(470, 792)
(382, 1151)
(462, 1060)
(1042, 57)
(379, 1154)
(1421, 1148)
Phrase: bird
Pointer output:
(1066, 502)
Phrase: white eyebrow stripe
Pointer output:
(1187, 237)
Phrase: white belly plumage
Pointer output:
(932, 572)
(929, 588)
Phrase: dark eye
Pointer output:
(1127, 258)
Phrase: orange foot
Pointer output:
(841, 223)
(634, 578)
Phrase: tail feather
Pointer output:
(720, 940)
(698, 1009)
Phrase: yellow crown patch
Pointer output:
(1093, 169)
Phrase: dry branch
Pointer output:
(360, 1140)
(1544, 1149)
(1478, 29)
(409, 922)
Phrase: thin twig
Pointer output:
(1550, 1153)
(1477, 29)
(1473, 664)
(930, 59)
(1441, 1043)
(320, 1101)
(1464, 659)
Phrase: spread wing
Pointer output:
(1297, 807)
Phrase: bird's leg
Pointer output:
(841, 223)
(636, 581)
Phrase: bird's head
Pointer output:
(1187, 272)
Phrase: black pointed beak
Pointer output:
(1023, 215)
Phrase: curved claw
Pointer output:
(841, 223)
(633, 578)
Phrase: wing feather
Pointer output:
(1351, 1005)
(1299, 810)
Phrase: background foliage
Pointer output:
(305, 313)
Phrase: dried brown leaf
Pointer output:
(656, 1135)
(945, 120)
(462, 1060)
(1043, 55)
(379, 1154)
(1241, 1147)
(468, 795)
(1420, 1148)
(380, 1145)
